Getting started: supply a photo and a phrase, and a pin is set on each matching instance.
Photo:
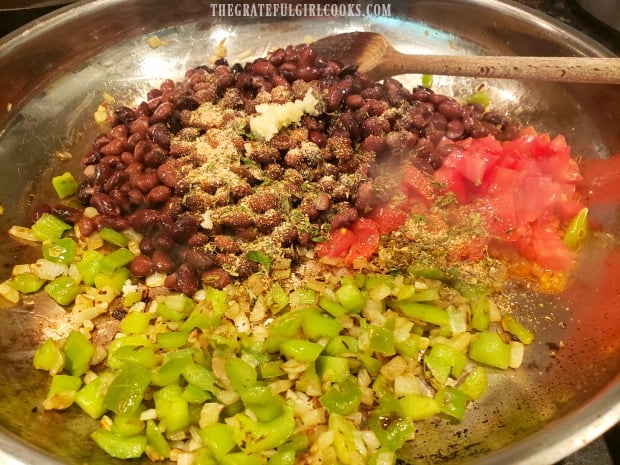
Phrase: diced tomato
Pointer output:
(523, 188)
(548, 250)
(358, 242)
(338, 244)
(600, 180)
(388, 219)
(418, 186)
(536, 195)
(474, 158)
(453, 181)
(366, 241)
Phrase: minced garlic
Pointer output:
(272, 117)
(155, 42)
(101, 115)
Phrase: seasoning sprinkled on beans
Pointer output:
(184, 169)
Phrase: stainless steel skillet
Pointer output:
(53, 75)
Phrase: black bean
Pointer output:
(147, 246)
(118, 223)
(116, 180)
(124, 114)
(199, 259)
(144, 220)
(163, 241)
(86, 226)
(184, 227)
(162, 112)
(309, 73)
(216, 278)
(100, 141)
(162, 263)
(450, 109)
(85, 191)
(158, 195)
(455, 129)
(263, 67)
(104, 204)
(155, 157)
(39, 211)
(68, 214)
(159, 134)
(141, 266)
(276, 57)
(144, 181)
(344, 218)
(187, 280)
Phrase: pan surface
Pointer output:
(53, 75)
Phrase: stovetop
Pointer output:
(606, 450)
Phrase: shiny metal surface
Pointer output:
(606, 11)
(53, 76)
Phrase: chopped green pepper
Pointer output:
(332, 369)
(48, 227)
(423, 312)
(78, 353)
(277, 298)
(63, 290)
(91, 397)
(577, 230)
(60, 250)
(489, 348)
(418, 407)
(316, 325)
(126, 391)
(170, 371)
(172, 340)
(514, 327)
(200, 377)
(127, 425)
(135, 323)
(253, 436)
(172, 409)
(50, 357)
(262, 402)
(241, 374)
(452, 402)
(27, 283)
(113, 237)
(259, 257)
(390, 428)
(331, 306)
(219, 438)
(120, 447)
(62, 391)
(475, 383)
(350, 297)
(156, 440)
(116, 259)
(301, 350)
(342, 398)
(65, 185)
(443, 360)
(90, 266)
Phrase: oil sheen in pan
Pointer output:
(60, 118)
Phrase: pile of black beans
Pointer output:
(132, 180)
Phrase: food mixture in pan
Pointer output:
(284, 262)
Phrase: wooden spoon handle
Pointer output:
(558, 69)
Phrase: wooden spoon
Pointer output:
(375, 56)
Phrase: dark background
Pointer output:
(605, 451)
